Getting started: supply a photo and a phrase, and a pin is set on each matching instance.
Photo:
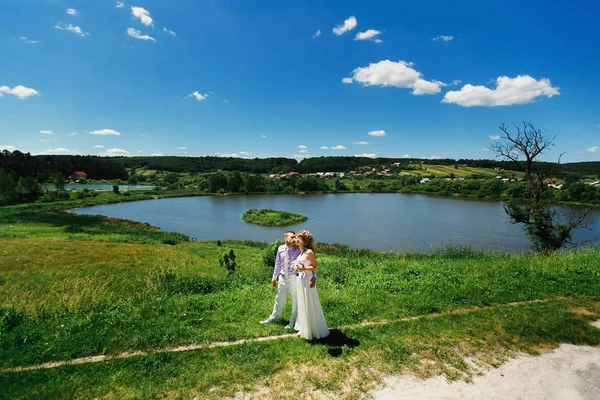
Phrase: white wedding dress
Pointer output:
(311, 321)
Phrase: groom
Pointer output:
(286, 276)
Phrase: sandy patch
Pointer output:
(569, 372)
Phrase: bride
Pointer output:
(310, 323)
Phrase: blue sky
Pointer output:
(297, 78)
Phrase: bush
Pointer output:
(270, 253)
(227, 261)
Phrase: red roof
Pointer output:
(79, 173)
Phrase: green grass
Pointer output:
(74, 286)
(269, 217)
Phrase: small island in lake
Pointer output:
(268, 217)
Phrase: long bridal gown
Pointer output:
(310, 322)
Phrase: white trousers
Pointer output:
(286, 287)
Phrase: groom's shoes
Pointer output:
(267, 321)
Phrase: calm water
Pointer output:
(98, 186)
(384, 222)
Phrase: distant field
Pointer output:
(460, 172)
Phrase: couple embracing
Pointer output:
(294, 275)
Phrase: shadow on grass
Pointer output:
(336, 341)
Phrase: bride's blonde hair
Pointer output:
(307, 238)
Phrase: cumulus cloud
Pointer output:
(142, 14)
(46, 131)
(20, 91)
(434, 157)
(7, 148)
(199, 96)
(397, 74)
(368, 155)
(509, 91)
(406, 156)
(377, 133)
(362, 141)
(303, 151)
(134, 33)
(370, 34)
(72, 28)
(120, 4)
(301, 146)
(105, 132)
(592, 149)
(157, 154)
(60, 150)
(169, 32)
(244, 153)
(229, 155)
(348, 25)
(324, 147)
(494, 137)
(71, 11)
(444, 38)
(98, 146)
(317, 34)
(338, 147)
(28, 41)
(114, 152)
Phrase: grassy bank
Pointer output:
(74, 286)
(268, 217)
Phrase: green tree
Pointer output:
(339, 185)
(8, 188)
(216, 182)
(29, 189)
(543, 222)
(59, 181)
(227, 261)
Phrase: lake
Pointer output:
(383, 222)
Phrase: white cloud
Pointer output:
(303, 151)
(324, 147)
(317, 34)
(370, 34)
(28, 41)
(105, 132)
(198, 96)
(142, 14)
(138, 35)
(592, 149)
(338, 147)
(114, 152)
(72, 28)
(182, 148)
(406, 156)
(98, 146)
(170, 32)
(434, 157)
(484, 149)
(520, 90)
(398, 74)
(303, 156)
(444, 38)
(263, 136)
(360, 142)
(348, 25)
(157, 154)
(7, 148)
(230, 155)
(369, 155)
(44, 140)
(377, 133)
(120, 4)
(60, 150)
(20, 91)
(46, 132)
(73, 134)
(494, 137)
(456, 82)
(244, 153)
(301, 146)
(71, 11)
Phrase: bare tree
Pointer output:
(547, 228)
